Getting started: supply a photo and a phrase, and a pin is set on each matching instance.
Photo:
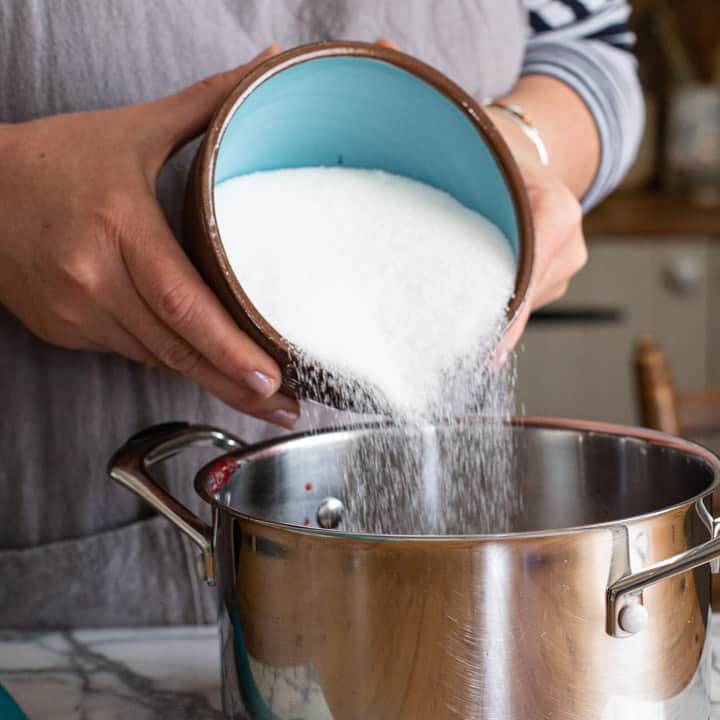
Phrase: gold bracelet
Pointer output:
(522, 120)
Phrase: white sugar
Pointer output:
(380, 278)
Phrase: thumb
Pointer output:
(178, 118)
(384, 42)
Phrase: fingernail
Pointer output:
(286, 418)
(260, 383)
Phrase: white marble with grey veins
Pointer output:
(148, 674)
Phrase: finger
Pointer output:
(111, 336)
(514, 333)
(163, 347)
(167, 281)
(567, 261)
(551, 294)
(550, 287)
(278, 409)
(177, 119)
(97, 333)
(387, 43)
(540, 294)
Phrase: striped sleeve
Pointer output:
(587, 45)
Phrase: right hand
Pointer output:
(87, 260)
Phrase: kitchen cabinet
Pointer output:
(575, 360)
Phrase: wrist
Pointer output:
(521, 146)
(515, 115)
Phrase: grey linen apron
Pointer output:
(76, 550)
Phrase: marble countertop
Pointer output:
(139, 674)
(145, 674)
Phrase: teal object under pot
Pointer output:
(9, 709)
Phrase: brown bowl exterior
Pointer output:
(202, 238)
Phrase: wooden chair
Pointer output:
(663, 408)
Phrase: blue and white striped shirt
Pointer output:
(587, 45)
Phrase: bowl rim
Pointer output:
(494, 141)
(585, 427)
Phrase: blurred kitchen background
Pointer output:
(654, 248)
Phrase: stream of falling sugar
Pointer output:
(446, 471)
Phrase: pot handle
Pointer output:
(129, 466)
(626, 612)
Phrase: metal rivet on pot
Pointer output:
(633, 618)
(330, 512)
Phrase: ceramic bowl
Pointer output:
(360, 105)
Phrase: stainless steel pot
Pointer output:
(595, 607)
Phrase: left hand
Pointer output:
(560, 249)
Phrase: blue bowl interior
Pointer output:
(365, 113)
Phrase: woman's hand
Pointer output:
(571, 137)
(570, 134)
(87, 260)
(560, 250)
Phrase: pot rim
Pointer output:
(454, 93)
(701, 453)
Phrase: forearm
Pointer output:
(586, 47)
(566, 126)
